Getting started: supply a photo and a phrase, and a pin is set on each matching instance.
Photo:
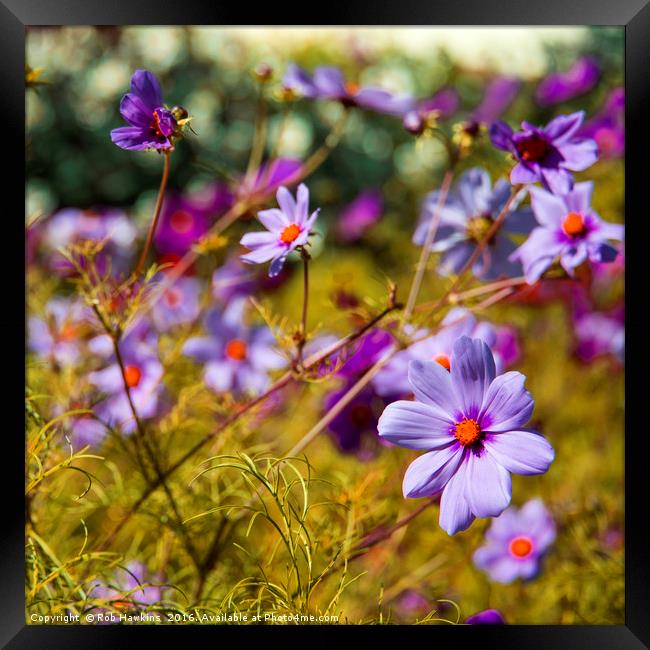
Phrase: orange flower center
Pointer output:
(520, 547)
(181, 221)
(352, 88)
(172, 297)
(67, 332)
(443, 360)
(290, 233)
(533, 149)
(573, 224)
(467, 432)
(236, 349)
(132, 375)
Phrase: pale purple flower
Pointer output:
(599, 333)
(465, 219)
(151, 125)
(607, 127)
(359, 215)
(499, 94)
(569, 231)
(470, 422)
(143, 374)
(441, 105)
(56, 335)
(393, 379)
(287, 229)
(547, 154)
(233, 279)
(271, 174)
(129, 588)
(237, 358)
(328, 82)
(558, 87)
(178, 304)
(516, 543)
(486, 617)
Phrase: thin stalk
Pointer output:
(305, 301)
(156, 213)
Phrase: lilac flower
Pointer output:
(86, 430)
(547, 154)
(288, 228)
(178, 304)
(607, 127)
(465, 219)
(143, 373)
(233, 279)
(152, 126)
(600, 333)
(470, 422)
(268, 178)
(185, 219)
(393, 379)
(72, 226)
(130, 588)
(359, 216)
(237, 358)
(364, 353)
(569, 230)
(328, 83)
(499, 94)
(516, 542)
(426, 111)
(486, 617)
(561, 87)
(55, 336)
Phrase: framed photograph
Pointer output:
(325, 325)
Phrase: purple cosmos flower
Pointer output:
(152, 126)
(359, 216)
(328, 83)
(288, 228)
(486, 617)
(268, 178)
(143, 373)
(86, 430)
(465, 219)
(607, 127)
(440, 106)
(56, 336)
(547, 154)
(237, 358)
(185, 219)
(233, 279)
(600, 333)
(470, 422)
(130, 588)
(569, 230)
(359, 356)
(558, 87)
(499, 94)
(516, 542)
(72, 226)
(178, 304)
(393, 379)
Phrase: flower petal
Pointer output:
(133, 110)
(507, 405)
(549, 209)
(257, 239)
(455, 514)
(145, 85)
(488, 486)
(521, 452)
(563, 127)
(415, 425)
(431, 384)
(472, 372)
(428, 474)
(578, 156)
(302, 204)
(261, 255)
(274, 219)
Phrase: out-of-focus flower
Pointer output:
(142, 373)
(579, 79)
(486, 617)
(559, 87)
(393, 379)
(600, 333)
(233, 279)
(178, 304)
(568, 230)
(152, 125)
(470, 422)
(362, 354)
(56, 336)
(607, 127)
(328, 83)
(413, 603)
(499, 94)
(426, 113)
(465, 219)
(287, 228)
(129, 588)
(73, 226)
(547, 154)
(237, 358)
(186, 218)
(267, 179)
(358, 216)
(516, 542)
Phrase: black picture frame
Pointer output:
(16, 15)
